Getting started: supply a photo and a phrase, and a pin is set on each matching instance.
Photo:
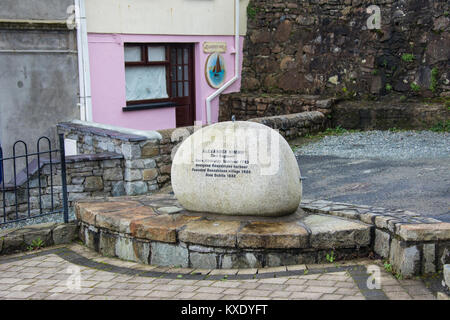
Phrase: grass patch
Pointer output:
(330, 257)
(309, 138)
(332, 132)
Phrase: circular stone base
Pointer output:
(156, 230)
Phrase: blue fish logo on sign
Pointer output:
(215, 70)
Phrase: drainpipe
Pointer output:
(83, 62)
(236, 64)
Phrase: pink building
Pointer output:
(153, 64)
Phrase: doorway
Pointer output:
(182, 83)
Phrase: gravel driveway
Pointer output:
(396, 170)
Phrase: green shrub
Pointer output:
(434, 76)
(252, 11)
(36, 244)
(441, 126)
(415, 87)
(407, 57)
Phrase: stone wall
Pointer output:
(147, 155)
(87, 176)
(245, 106)
(388, 113)
(413, 244)
(325, 47)
(296, 125)
(21, 239)
(147, 158)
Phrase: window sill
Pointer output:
(147, 106)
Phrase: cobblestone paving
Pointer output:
(50, 276)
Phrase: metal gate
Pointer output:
(31, 192)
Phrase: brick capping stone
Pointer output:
(134, 228)
(291, 126)
(425, 232)
(245, 106)
(94, 129)
(93, 157)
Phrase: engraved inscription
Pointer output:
(222, 163)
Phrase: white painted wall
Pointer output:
(164, 17)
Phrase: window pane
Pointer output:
(174, 89)
(186, 88)
(144, 83)
(157, 53)
(186, 73)
(173, 73)
(180, 52)
(173, 56)
(179, 73)
(133, 54)
(185, 51)
(180, 89)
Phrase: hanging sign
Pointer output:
(215, 70)
(211, 47)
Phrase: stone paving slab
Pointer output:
(112, 280)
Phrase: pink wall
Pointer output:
(106, 58)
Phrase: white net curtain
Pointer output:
(145, 82)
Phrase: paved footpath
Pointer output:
(73, 272)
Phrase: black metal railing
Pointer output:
(21, 189)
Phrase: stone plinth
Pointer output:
(156, 229)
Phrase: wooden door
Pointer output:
(182, 83)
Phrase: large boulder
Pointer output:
(237, 168)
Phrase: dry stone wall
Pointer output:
(246, 106)
(325, 47)
(296, 125)
(147, 161)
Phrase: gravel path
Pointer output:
(404, 145)
(395, 170)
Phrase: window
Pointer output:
(156, 74)
(146, 69)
